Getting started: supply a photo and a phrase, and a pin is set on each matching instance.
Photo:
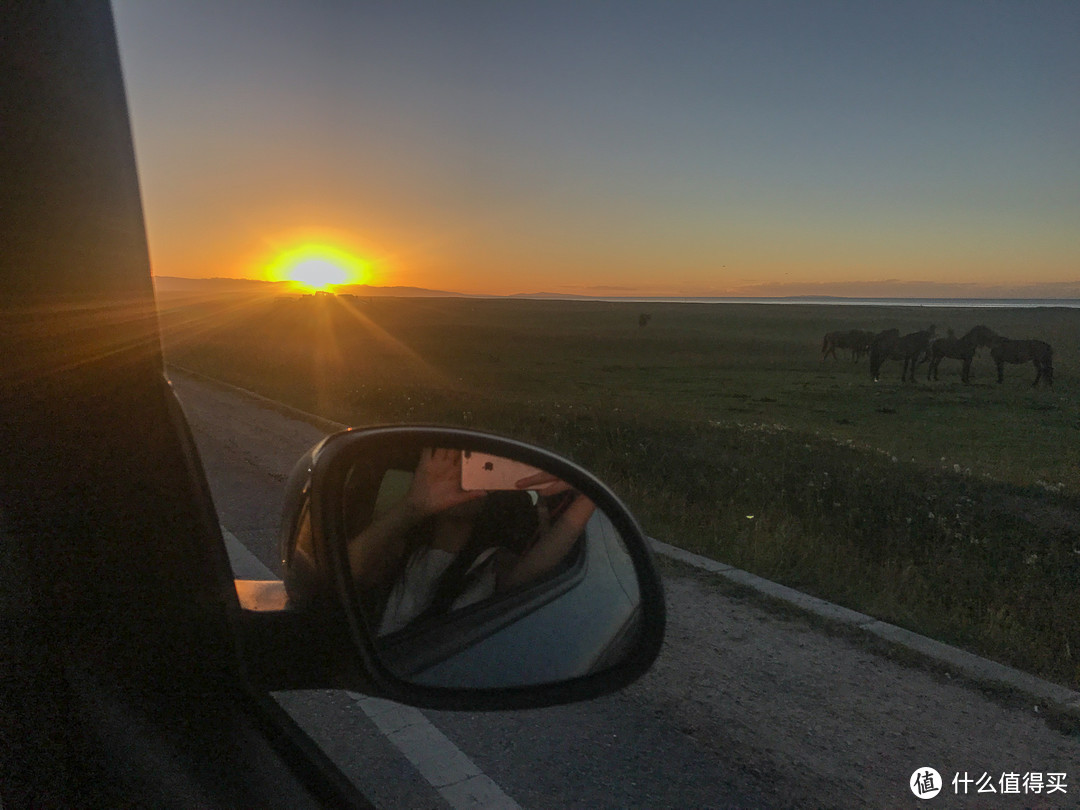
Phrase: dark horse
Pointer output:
(856, 339)
(910, 348)
(959, 348)
(1022, 351)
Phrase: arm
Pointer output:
(377, 554)
(552, 547)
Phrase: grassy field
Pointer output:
(951, 510)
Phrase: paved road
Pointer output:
(746, 707)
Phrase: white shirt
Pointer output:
(415, 588)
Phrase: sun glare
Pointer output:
(318, 274)
(317, 268)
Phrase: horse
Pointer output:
(880, 348)
(911, 348)
(1037, 352)
(959, 348)
(855, 339)
(832, 342)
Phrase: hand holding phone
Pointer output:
(488, 472)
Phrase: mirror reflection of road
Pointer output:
(746, 707)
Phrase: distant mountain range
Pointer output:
(174, 285)
(228, 286)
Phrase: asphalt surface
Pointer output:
(749, 705)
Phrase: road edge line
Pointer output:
(1054, 697)
(320, 422)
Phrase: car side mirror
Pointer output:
(473, 571)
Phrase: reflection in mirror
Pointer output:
(479, 571)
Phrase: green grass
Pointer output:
(951, 510)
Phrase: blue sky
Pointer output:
(664, 148)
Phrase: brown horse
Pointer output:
(911, 349)
(855, 339)
(1037, 352)
(959, 348)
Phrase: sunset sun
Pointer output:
(318, 274)
(317, 268)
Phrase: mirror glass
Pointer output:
(479, 571)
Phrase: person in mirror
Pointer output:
(442, 547)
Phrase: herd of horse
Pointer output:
(923, 346)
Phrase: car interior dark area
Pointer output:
(130, 673)
(113, 572)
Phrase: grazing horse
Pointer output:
(959, 348)
(860, 343)
(880, 348)
(855, 339)
(1022, 351)
(832, 342)
(910, 348)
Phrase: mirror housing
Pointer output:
(586, 620)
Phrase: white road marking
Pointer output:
(441, 763)
(438, 760)
(245, 565)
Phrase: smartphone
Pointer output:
(485, 471)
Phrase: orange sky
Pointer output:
(560, 149)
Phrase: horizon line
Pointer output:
(987, 293)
